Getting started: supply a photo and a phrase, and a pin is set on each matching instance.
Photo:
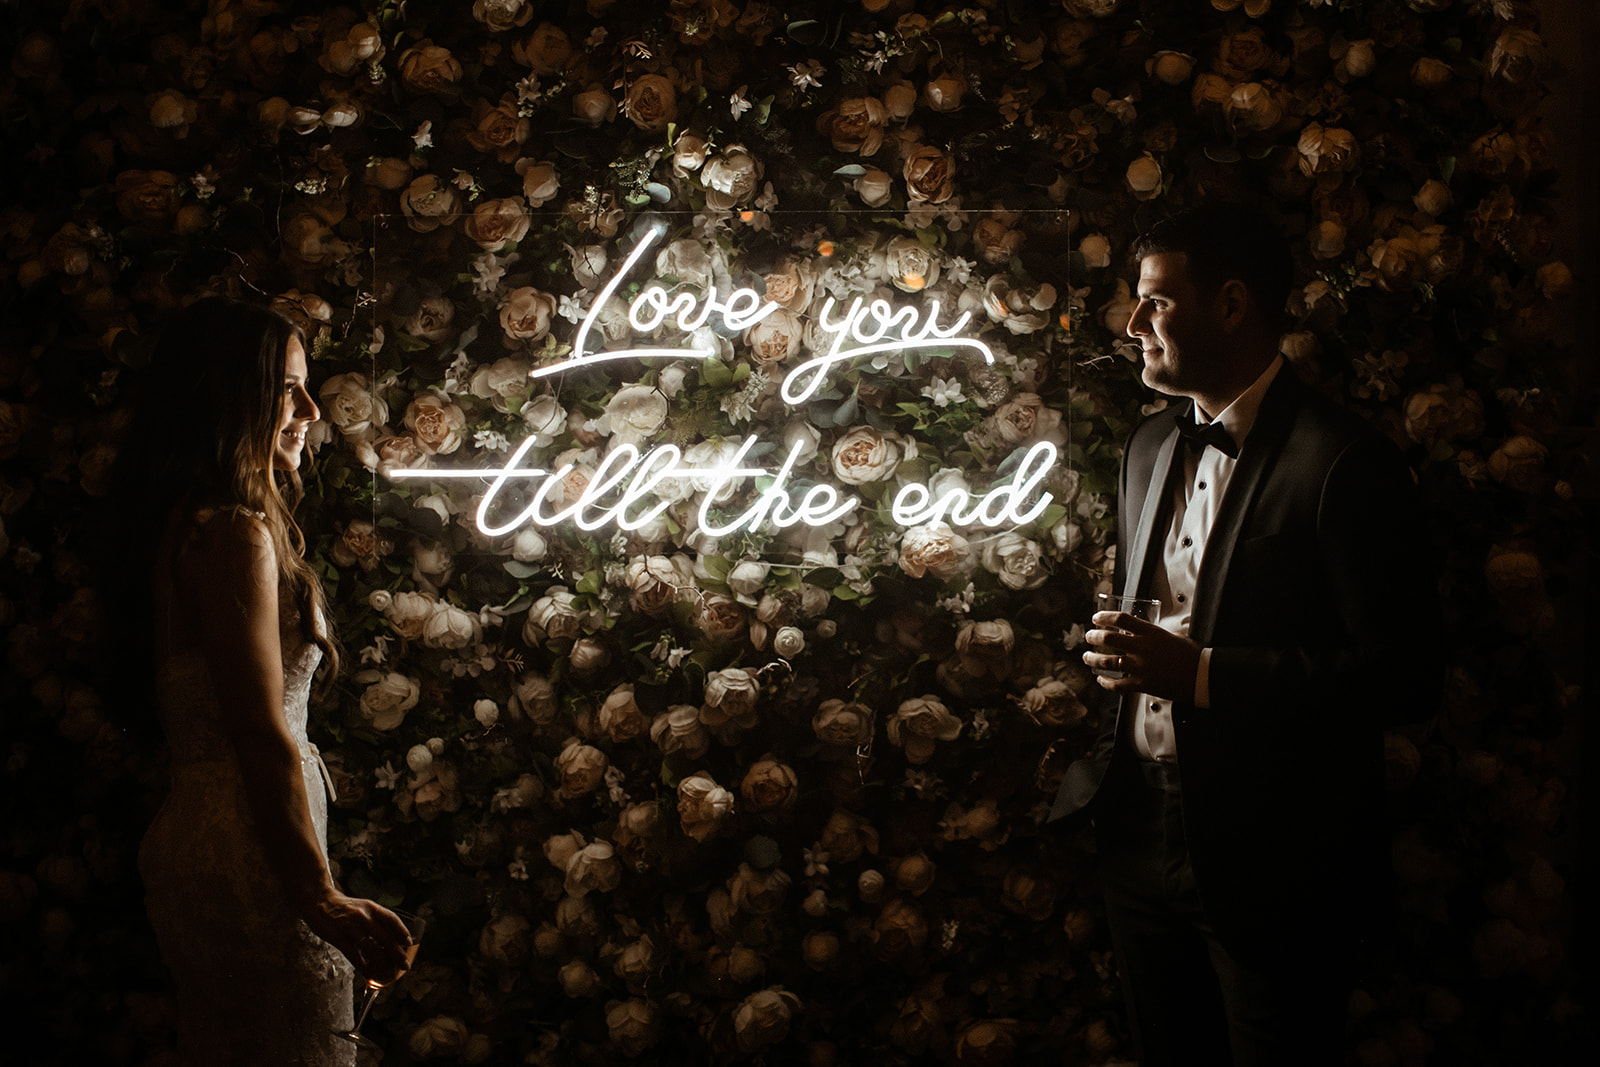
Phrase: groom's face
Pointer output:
(1175, 325)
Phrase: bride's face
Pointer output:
(297, 411)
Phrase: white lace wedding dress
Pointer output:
(255, 985)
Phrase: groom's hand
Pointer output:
(1155, 661)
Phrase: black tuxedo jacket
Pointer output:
(1315, 595)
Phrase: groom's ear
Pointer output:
(1232, 305)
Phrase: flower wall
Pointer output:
(677, 781)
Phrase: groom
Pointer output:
(1237, 799)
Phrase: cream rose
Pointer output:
(494, 225)
(634, 414)
(930, 175)
(594, 105)
(775, 339)
(1026, 420)
(352, 405)
(429, 202)
(525, 317)
(620, 716)
(865, 454)
(1015, 560)
(731, 695)
(1326, 150)
(593, 868)
(856, 125)
(432, 319)
(547, 51)
(437, 424)
(450, 627)
(934, 549)
(720, 619)
(875, 187)
(427, 68)
(918, 723)
(846, 725)
(654, 583)
(1019, 309)
(769, 786)
(731, 177)
(553, 617)
(909, 265)
(582, 768)
(651, 102)
(387, 698)
(702, 806)
(1144, 177)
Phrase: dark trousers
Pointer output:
(1191, 1001)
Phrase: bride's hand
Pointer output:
(370, 935)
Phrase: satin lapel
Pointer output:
(1157, 498)
(1256, 457)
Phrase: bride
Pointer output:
(254, 930)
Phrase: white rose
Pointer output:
(806, 436)
(552, 617)
(539, 181)
(634, 413)
(588, 264)
(654, 581)
(746, 579)
(874, 187)
(934, 549)
(385, 702)
(1096, 251)
(789, 642)
(487, 712)
(529, 546)
(408, 613)
(909, 265)
(1015, 560)
(730, 177)
(535, 697)
(730, 694)
(671, 378)
(687, 261)
(450, 627)
(438, 425)
(501, 382)
(545, 419)
(351, 403)
(1144, 177)
(775, 338)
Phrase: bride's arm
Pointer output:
(230, 577)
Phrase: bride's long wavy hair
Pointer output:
(203, 434)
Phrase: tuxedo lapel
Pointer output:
(1157, 501)
(1257, 456)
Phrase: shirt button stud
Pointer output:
(1187, 541)
(1182, 599)
(1202, 485)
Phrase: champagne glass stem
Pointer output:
(369, 995)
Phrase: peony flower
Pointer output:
(1518, 56)
(985, 647)
(501, 15)
(429, 202)
(579, 980)
(437, 424)
(865, 454)
(746, 578)
(1443, 412)
(900, 930)
(499, 130)
(651, 102)
(634, 414)
(855, 125)
(1242, 53)
(908, 264)
(387, 698)
(1252, 108)
(409, 613)
(552, 617)
(620, 716)
(934, 549)
(506, 940)
(930, 175)
(758, 892)
(679, 729)
(917, 723)
(702, 806)
(1025, 420)
(582, 768)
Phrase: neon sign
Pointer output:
(621, 491)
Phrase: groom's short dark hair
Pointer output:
(1227, 241)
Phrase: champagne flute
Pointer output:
(415, 924)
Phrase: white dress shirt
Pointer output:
(1196, 500)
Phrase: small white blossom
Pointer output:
(806, 75)
(459, 373)
(816, 861)
(737, 104)
(202, 186)
(596, 38)
(943, 392)
(387, 776)
(491, 441)
(768, 199)
(377, 652)
(571, 307)
(1073, 638)
(961, 603)
(490, 269)
(518, 870)
(423, 138)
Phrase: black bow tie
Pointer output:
(1198, 435)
